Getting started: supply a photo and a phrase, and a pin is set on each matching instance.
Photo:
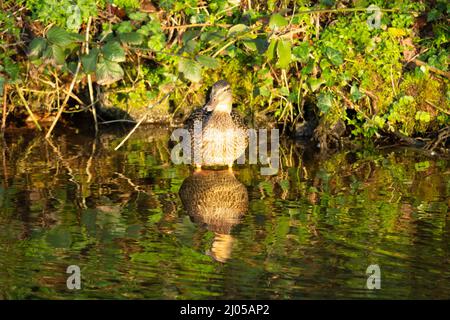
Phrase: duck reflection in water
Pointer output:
(217, 200)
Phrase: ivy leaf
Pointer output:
(190, 69)
(355, 93)
(315, 83)
(61, 37)
(207, 62)
(308, 69)
(131, 38)
(277, 21)
(11, 68)
(108, 72)
(237, 29)
(36, 47)
(301, 52)
(324, 102)
(89, 61)
(284, 53)
(113, 51)
(334, 56)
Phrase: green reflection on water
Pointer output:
(309, 232)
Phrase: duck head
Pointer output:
(221, 98)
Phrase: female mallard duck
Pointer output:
(220, 137)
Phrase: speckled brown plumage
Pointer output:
(224, 135)
(214, 198)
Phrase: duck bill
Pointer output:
(210, 106)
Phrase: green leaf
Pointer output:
(423, 116)
(308, 69)
(264, 91)
(124, 26)
(58, 54)
(355, 93)
(270, 53)
(284, 53)
(301, 52)
(113, 51)
(315, 83)
(131, 38)
(277, 21)
(212, 37)
(158, 41)
(380, 122)
(237, 29)
(11, 68)
(284, 91)
(208, 62)
(36, 47)
(422, 166)
(334, 56)
(250, 44)
(48, 53)
(108, 72)
(190, 69)
(60, 37)
(138, 16)
(324, 102)
(89, 61)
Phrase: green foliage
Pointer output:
(126, 4)
(108, 71)
(277, 63)
(68, 14)
(402, 114)
(9, 70)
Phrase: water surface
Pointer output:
(309, 232)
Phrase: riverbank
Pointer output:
(327, 71)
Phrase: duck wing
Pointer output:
(199, 114)
(238, 120)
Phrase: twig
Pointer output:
(196, 25)
(223, 48)
(61, 109)
(437, 108)
(4, 108)
(24, 101)
(431, 68)
(80, 110)
(114, 121)
(89, 78)
(140, 121)
(443, 135)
